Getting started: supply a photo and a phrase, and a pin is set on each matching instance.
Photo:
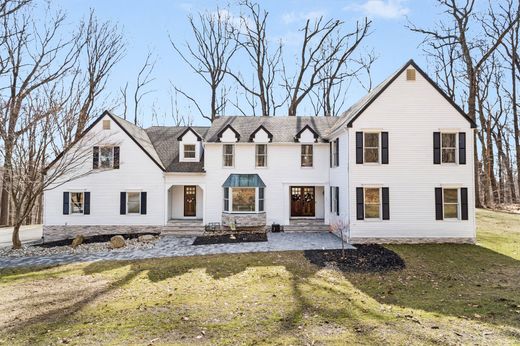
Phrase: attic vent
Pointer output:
(410, 74)
(106, 124)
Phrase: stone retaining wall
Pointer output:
(245, 220)
(52, 233)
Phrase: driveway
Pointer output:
(27, 234)
(171, 246)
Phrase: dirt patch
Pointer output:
(365, 259)
(230, 238)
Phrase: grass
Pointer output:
(449, 294)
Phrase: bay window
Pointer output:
(244, 199)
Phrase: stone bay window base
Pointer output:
(60, 232)
(244, 221)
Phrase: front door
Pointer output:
(302, 201)
(190, 200)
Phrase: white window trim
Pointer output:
(373, 219)
(458, 204)
(230, 199)
(301, 156)
(224, 154)
(378, 149)
(335, 153)
(70, 203)
(335, 200)
(456, 148)
(189, 159)
(265, 155)
(140, 196)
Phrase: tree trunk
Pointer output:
(6, 183)
(515, 126)
(17, 244)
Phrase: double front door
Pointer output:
(302, 201)
(190, 200)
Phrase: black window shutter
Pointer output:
(95, 158)
(143, 203)
(330, 152)
(116, 157)
(386, 203)
(337, 200)
(337, 152)
(462, 148)
(384, 148)
(86, 207)
(359, 147)
(331, 189)
(437, 148)
(65, 203)
(438, 203)
(122, 203)
(464, 202)
(360, 204)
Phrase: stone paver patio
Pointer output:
(170, 246)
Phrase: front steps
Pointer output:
(306, 225)
(184, 227)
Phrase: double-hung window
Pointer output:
(228, 155)
(372, 203)
(306, 155)
(133, 202)
(451, 203)
(106, 157)
(261, 155)
(371, 147)
(448, 147)
(77, 202)
(189, 151)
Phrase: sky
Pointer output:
(148, 28)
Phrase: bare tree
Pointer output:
(252, 39)
(144, 78)
(209, 55)
(473, 50)
(124, 99)
(315, 57)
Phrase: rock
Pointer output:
(146, 238)
(78, 240)
(117, 242)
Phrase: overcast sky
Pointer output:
(147, 28)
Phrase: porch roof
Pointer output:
(243, 180)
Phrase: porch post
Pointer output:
(203, 188)
(326, 204)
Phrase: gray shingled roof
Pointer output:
(164, 139)
(283, 128)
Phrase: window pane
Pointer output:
(228, 155)
(372, 211)
(372, 196)
(450, 196)
(260, 161)
(189, 151)
(449, 140)
(372, 155)
(306, 159)
(243, 199)
(372, 140)
(260, 149)
(450, 211)
(76, 202)
(106, 157)
(448, 155)
(228, 149)
(134, 202)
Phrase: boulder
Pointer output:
(78, 240)
(146, 238)
(117, 242)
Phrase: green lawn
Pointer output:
(449, 294)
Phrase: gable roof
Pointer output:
(228, 126)
(137, 134)
(165, 141)
(306, 127)
(282, 128)
(189, 128)
(351, 114)
(261, 127)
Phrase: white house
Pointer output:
(396, 167)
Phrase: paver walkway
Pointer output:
(169, 246)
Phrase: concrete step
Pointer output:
(308, 228)
(182, 232)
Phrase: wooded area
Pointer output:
(54, 81)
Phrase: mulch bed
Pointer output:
(365, 259)
(227, 239)
(103, 238)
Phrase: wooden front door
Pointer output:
(302, 201)
(190, 200)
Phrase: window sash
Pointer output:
(372, 207)
(77, 203)
(133, 202)
(371, 153)
(243, 199)
(106, 157)
(261, 155)
(450, 201)
(229, 151)
(306, 155)
(448, 150)
(189, 151)
(226, 199)
(261, 199)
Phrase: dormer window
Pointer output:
(189, 151)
